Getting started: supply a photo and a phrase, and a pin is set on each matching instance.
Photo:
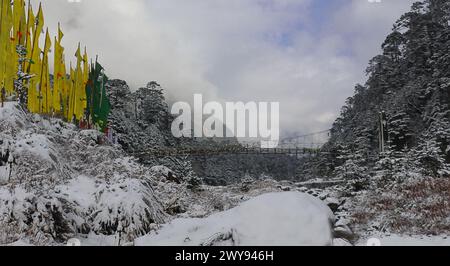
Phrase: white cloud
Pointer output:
(234, 49)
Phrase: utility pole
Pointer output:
(380, 133)
(383, 127)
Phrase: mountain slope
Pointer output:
(392, 138)
(409, 85)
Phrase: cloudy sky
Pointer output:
(305, 54)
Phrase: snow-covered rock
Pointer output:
(289, 218)
(344, 232)
(339, 242)
(333, 203)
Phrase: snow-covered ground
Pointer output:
(64, 184)
(289, 218)
(399, 240)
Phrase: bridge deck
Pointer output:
(226, 151)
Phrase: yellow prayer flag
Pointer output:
(44, 84)
(10, 62)
(59, 73)
(18, 12)
(60, 33)
(48, 42)
(40, 20)
(5, 29)
(28, 38)
(37, 30)
(85, 67)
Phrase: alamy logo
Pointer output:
(241, 120)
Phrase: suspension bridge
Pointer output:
(298, 145)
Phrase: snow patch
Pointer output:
(289, 218)
(418, 240)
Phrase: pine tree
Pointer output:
(352, 164)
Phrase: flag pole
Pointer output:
(40, 83)
(27, 33)
(35, 35)
(1, 17)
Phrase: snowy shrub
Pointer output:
(64, 183)
(246, 182)
(194, 183)
(128, 207)
(43, 219)
(418, 206)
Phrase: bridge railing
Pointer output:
(300, 145)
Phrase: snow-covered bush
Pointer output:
(417, 206)
(42, 218)
(65, 182)
(128, 207)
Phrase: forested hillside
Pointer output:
(399, 120)
(392, 138)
